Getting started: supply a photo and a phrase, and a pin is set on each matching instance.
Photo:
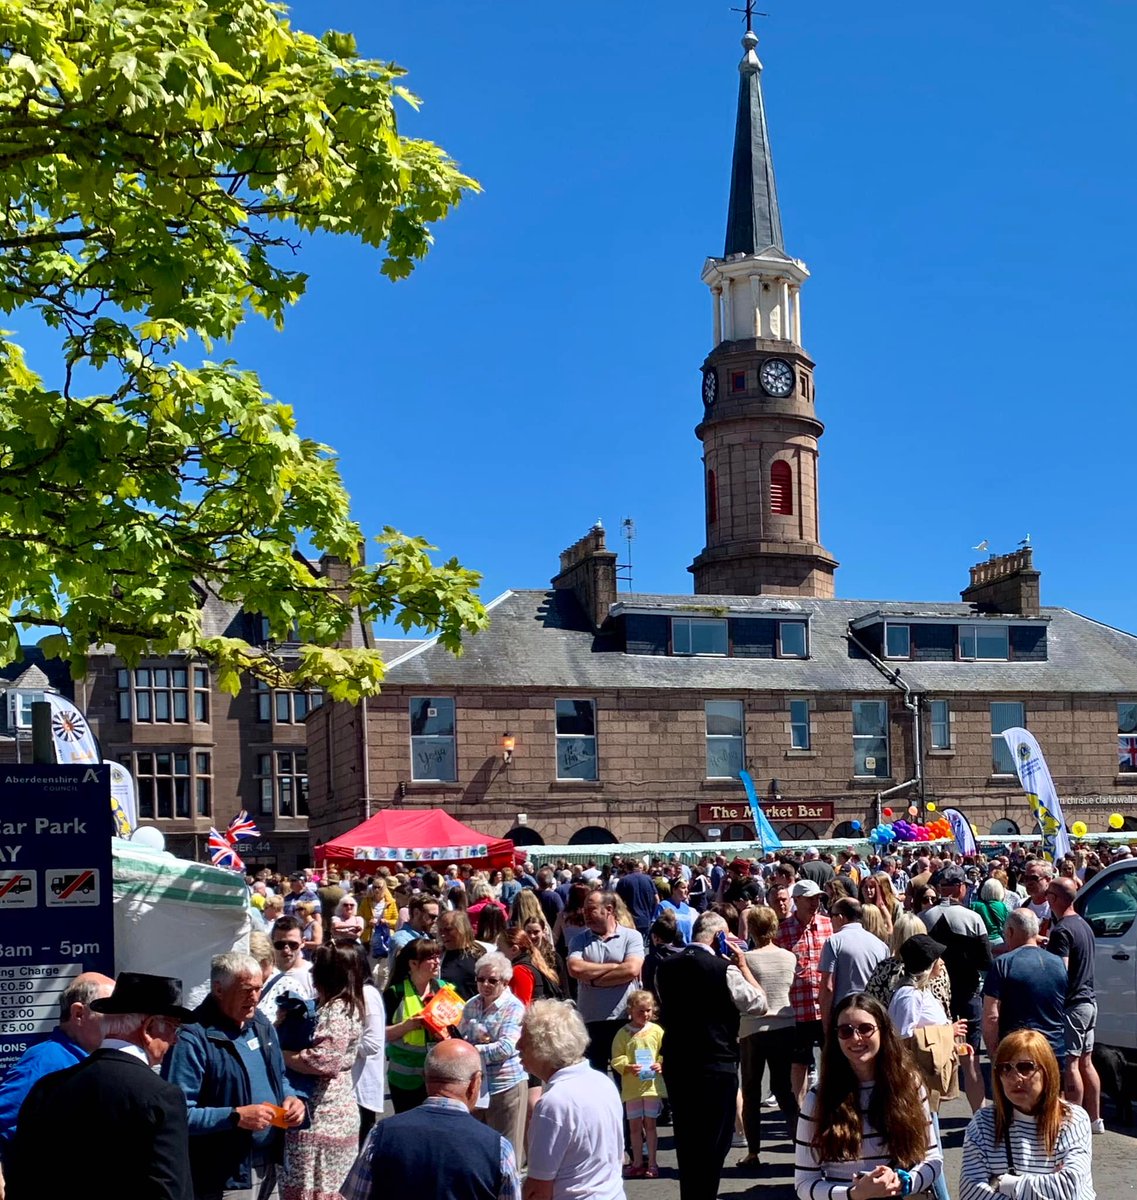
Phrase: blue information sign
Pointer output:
(56, 888)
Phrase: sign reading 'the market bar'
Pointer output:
(781, 810)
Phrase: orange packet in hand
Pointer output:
(442, 1010)
(279, 1117)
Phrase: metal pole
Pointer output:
(43, 748)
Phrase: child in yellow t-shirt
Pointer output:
(635, 1058)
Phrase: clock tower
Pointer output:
(759, 428)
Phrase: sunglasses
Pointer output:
(489, 979)
(1024, 1067)
(845, 1031)
(286, 945)
(1032, 879)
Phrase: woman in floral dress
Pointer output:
(319, 1157)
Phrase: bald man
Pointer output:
(1072, 939)
(78, 1033)
(438, 1151)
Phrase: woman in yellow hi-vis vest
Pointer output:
(414, 979)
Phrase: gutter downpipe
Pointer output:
(366, 762)
(912, 703)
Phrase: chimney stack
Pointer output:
(1005, 583)
(588, 570)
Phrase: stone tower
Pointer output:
(759, 429)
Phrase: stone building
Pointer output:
(587, 715)
(197, 754)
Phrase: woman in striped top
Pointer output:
(865, 1129)
(1031, 1145)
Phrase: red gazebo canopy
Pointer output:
(415, 835)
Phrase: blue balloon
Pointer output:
(856, 826)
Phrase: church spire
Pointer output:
(753, 221)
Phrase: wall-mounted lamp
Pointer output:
(775, 789)
(508, 741)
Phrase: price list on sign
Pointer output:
(56, 919)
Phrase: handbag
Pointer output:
(936, 1056)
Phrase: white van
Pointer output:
(1109, 903)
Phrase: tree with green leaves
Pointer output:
(160, 160)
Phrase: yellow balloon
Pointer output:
(931, 808)
(1079, 829)
(1116, 820)
(974, 828)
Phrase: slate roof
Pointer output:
(542, 639)
(392, 648)
(38, 671)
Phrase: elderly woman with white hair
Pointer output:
(576, 1137)
(491, 1023)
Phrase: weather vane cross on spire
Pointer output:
(750, 12)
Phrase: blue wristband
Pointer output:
(905, 1178)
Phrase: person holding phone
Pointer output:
(703, 998)
(1031, 1143)
(865, 1129)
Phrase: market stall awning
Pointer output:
(415, 835)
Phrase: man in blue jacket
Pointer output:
(229, 1066)
(78, 1033)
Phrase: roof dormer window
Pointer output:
(984, 643)
(693, 635)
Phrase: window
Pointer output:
(870, 738)
(164, 782)
(792, 640)
(782, 489)
(799, 724)
(1111, 907)
(432, 739)
(1005, 714)
(738, 381)
(282, 778)
(285, 708)
(690, 635)
(897, 641)
(576, 739)
(163, 695)
(725, 725)
(1127, 736)
(985, 642)
(712, 498)
(941, 725)
(203, 784)
(20, 709)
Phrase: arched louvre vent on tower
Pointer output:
(782, 489)
(712, 498)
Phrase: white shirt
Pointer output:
(369, 1070)
(913, 1008)
(297, 982)
(125, 1048)
(576, 1136)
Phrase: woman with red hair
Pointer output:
(1031, 1145)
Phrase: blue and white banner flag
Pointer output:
(961, 830)
(763, 830)
(1034, 775)
(74, 741)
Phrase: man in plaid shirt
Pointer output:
(805, 934)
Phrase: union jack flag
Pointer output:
(1127, 753)
(222, 854)
(242, 826)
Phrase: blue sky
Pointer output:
(960, 182)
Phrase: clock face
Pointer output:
(710, 386)
(776, 377)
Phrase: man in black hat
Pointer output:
(110, 1120)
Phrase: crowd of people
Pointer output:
(594, 1002)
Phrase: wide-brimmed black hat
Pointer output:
(154, 995)
(919, 952)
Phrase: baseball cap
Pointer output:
(805, 888)
(949, 876)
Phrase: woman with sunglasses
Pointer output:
(1031, 1145)
(865, 1129)
(414, 980)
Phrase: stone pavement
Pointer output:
(1115, 1161)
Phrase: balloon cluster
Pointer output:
(1079, 828)
(908, 831)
